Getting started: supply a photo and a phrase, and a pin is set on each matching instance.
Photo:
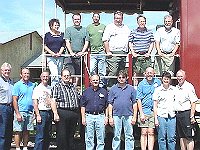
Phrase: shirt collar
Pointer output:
(9, 80)
(164, 89)
(121, 87)
(141, 29)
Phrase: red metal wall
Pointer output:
(190, 41)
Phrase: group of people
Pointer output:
(109, 46)
(154, 104)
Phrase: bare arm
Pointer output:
(15, 105)
(68, 45)
(135, 109)
(37, 113)
(193, 106)
(107, 49)
(48, 50)
(158, 48)
(175, 49)
(132, 49)
(110, 114)
(54, 109)
(142, 116)
(83, 116)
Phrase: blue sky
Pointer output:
(19, 17)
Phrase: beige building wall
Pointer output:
(18, 51)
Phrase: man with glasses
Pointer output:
(6, 110)
(145, 92)
(94, 114)
(122, 110)
(67, 99)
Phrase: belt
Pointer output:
(167, 52)
(70, 109)
(178, 112)
(95, 112)
(141, 53)
(6, 104)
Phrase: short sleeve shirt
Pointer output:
(24, 93)
(185, 95)
(6, 87)
(145, 92)
(42, 94)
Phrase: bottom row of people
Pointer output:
(162, 106)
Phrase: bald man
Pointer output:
(145, 91)
(185, 99)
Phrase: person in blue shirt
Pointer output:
(145, 92)
(122, 110)
(23, 106)
(94, 113)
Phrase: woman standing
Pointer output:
(54, 44)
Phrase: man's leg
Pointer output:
(190, 144)
(171, 133)
(25, 138)
(102, 69)
(117, 133)
(150, 138)
(17, 138)
(143, 138)
(89, 132)
(93, 64)
(183, 144)
(162, 133)
(128, 131)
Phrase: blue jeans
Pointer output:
(119, 122)
(95, 123)
(98, 65)
(43, 129)
(167, 126)
(55, 66)
(6, 127)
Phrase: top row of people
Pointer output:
(115, 40)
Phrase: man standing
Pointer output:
(122, 109)
(167, 42)
(6, 110)
(42, 106)
(66, 97)
(115, 40)
(94, 114)
(77, 41)
(141, 43)
(97, 62)
(164, 113)
(23, 106)
(185, 99)
(145, 91)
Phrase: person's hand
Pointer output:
(134, 54)
(19, 117)
(133, 120)
(56, 117)
(83, 121)
(142, 117)
(192, 120)
(109, 53)
(156, 122)
(111, 121)
(72, 54)
(147, 55)
(106, 121)
(38, 118)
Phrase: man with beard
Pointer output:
(97, 62)
(167, 42)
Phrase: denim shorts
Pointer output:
(25, 124)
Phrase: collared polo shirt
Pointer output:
(145, 91)
(6, 87)
(42, 94)
(117, 37)
(65, 95)
(165, 101)
(77, 37)
(122, 100)
(24, 93)
(141, 39)
(185, 95)
(167, 39)
(94, 101)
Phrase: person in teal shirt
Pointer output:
(97, 62)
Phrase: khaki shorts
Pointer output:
(148, 123)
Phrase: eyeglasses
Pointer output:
(122, 77)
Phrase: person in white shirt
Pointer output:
(115, 38)
(185, 102)
(164, 113)
(42, 105)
